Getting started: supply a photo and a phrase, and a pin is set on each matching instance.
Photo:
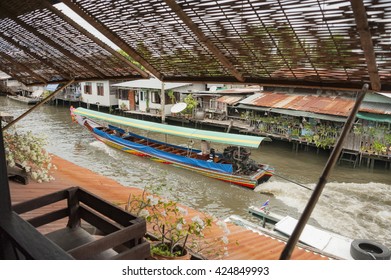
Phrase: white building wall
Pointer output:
(105, 100)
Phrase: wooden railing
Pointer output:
(92, 228)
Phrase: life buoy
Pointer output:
(363, 249)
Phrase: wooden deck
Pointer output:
(244, 244)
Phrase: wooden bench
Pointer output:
(87, 227)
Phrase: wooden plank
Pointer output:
(5, 197)
(109, 241)
(115, 213)
(29, 241)
(48, 217)
(142, 249)
(39, 202)
(104, 225)
(73, 208)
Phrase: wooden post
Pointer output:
(294, 238)
(53, 94)
(5, 197)
(163, 103)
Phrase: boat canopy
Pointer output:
(213, 136)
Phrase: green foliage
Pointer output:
(171, 95)
(128, 57)
(191, 104)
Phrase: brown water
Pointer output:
(356, 203)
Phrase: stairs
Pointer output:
(349, 156)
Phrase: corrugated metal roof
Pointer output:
(376, 108)
(332, 105)
(238, 90)
(294, 113)
(230, 100)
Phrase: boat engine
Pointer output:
(240, 159)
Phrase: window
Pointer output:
(122, 94)
(88, 88)
(156, 97)
(142, 96)
(100, 89)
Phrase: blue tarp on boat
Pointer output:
(210, 166)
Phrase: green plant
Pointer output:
(171, 95)
(191, 104)
(174, 229)
(28, 151)
(378, 147)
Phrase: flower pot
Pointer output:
(157, 256)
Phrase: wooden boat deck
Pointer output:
(244, 245)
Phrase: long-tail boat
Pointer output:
(233, 165)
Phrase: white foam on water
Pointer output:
(350, 209)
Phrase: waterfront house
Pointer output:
(219, 104)
(98, 93)
(145, 95)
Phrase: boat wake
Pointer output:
(350, 209)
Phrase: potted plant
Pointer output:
(174, 231)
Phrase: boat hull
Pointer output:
(264, 173)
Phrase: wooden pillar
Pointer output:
(163, 102)
(5, 197)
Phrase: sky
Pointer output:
(76, 18)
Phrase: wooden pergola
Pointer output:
(327, 44)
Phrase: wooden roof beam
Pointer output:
(205, 40)
(113, 37)
(94, 39)
(360, 16)
(37, 57)
(22, 67)
(60, 48)
(51, 42)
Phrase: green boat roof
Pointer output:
(213, 136)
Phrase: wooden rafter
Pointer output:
(93, 38)
(37, 57)
(22, 67)
(113, 37)
(59, 48)
(360, 16)
(50, 42)
(205, 40)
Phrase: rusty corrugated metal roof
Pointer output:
(230, 100)
(331, 105)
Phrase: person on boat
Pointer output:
(205, 147)
(72, 113)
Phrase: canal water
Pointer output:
(355, 203)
